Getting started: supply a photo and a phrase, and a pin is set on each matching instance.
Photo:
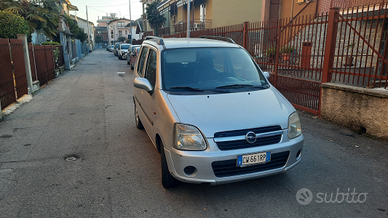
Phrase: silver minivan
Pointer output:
(211, 112)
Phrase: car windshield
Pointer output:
(215, 70)
(124, 46)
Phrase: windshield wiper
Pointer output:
(187, 88)
(234, 86)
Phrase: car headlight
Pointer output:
(188, 137)
(294, 127)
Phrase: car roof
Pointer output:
(171, 43)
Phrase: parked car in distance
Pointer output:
(110, 48)
(115, 49)
(132, 58)
(211, 112)
(122, 51)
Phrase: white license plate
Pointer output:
(249, 159)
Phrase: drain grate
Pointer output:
(72, 157)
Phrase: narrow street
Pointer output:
(74, 151)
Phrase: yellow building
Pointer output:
(207, 13)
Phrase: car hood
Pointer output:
(232, 111)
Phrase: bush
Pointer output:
(51, 43)
(12, 24)
(287, 49)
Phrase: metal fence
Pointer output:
(13, 78)
(7, 88)
(19, 65)
(347, 46)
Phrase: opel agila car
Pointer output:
(211, 113)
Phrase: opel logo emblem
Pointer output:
(251, 137)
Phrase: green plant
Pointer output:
(51, 43)
(154, 17)
(41, 16)
(56, 55)
(350, 45)
(271, 51)
(12, 24)
(287, 49)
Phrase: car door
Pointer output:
(141, 96)
(148, 99)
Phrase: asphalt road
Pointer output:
(74, 151)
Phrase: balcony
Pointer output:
(195, 25)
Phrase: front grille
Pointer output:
(228, 167)
(242, 143)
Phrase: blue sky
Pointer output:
(102, 7)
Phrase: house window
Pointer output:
(120, 33)
(120, 24)
(202, 12)
(125, 32)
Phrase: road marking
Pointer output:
(120, 72)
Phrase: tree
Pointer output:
(11, 25)
(121, 39)
(41, 15)
(155, 19)
(77, 32)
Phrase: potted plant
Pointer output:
(287, 50)
(271, 53)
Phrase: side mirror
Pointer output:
(142, 83)
(266, 74)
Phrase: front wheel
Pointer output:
(168, 181)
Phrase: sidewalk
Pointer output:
(65, 122)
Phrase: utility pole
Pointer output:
(130, 21)
(87, 24)
(188, 19)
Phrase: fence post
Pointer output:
(279, 22)
(245, 38)
(27, 64)
(331, 39)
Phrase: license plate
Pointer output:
(249, 159)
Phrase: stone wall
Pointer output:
(360, 109)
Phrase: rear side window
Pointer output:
(140, 66)
(151, 68)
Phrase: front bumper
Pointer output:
(203, 165)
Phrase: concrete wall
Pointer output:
(290, 8)
(360, 109)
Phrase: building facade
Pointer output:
(117, 28)
(206, 14)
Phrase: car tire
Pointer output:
(168, 181)
(138, 122)
(119, 57)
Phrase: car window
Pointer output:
(142, 57)
(124, 46)
(151, 68)
(210, 70)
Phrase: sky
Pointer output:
(99, 8)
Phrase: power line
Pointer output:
(108, 5)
